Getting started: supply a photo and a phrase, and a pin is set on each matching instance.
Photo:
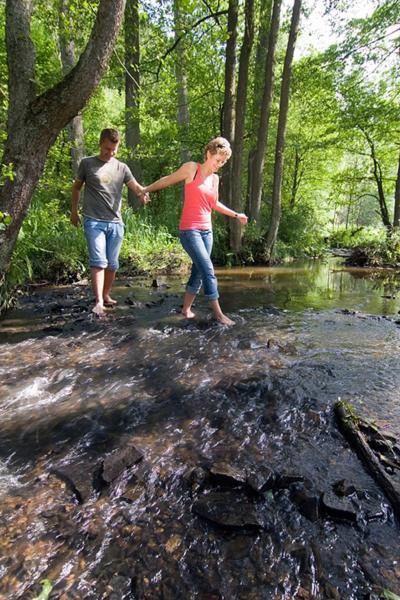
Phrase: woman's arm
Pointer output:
(185, 173)
(231, 213)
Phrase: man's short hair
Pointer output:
(109, 134)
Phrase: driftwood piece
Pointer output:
(356, 430)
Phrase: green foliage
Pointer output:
(381, 252)
(356, 236)
(5, 220)
(48, 247)
(149, 249)
(47, 586)
(303, 229)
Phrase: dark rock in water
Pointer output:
(285, 480)
(338, 508)
(119, 587)
(196, 478)
(261, 479)
(78, 479)
(255, 479)
(156, 283)
(307, 501)
(225, 474)
(134, 303)
(119, 460)
(230, 509)
(343, 488)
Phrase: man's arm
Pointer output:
(138, 190)
(76, 188)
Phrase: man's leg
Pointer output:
(109, 277)
(95, 233)
(114, 237)
(98, 278)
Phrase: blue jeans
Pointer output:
(104, 239)
(198, 244)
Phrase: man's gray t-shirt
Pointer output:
(103, 187)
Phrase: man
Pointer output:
(103, 176)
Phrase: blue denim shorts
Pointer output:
(104, 239)
(198, 244)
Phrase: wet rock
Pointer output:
(307, 501)
(119, 587)
(339, 508)
(260, 479)
(134, 303)
(196, 478)
(225, 474)
(285, 480)
(78, 478)
(119, 460)
(343, 488)
(232, 510)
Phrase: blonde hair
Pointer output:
(218, 145)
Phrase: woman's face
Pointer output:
(216, 161)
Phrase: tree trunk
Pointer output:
(272, 234)
(181, 83)
(228, 116)
(365, 438)
(132, 92)
(67, 51)
(377, 173)
(35, 121)
(236, 188)
(257, 167)
(297, 175)
(396, 218)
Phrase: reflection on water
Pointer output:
(192, 395)
(316, 284)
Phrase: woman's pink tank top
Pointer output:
(199, 200)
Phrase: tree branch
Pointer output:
(62, 102)
(185, 32)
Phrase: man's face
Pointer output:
(108, 149)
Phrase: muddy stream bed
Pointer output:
(145, 456)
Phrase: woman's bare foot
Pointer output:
(189, 314)
(108, 301)
(224, 320)
(98, 310)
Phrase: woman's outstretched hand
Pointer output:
(242, 218)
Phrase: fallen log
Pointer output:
(363, 436)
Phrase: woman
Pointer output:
(195, 230)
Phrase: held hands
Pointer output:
(144, 196)
(242, 218)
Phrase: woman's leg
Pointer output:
(198, 244)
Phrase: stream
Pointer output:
(146, 456)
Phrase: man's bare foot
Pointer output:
(224, 320)
(98, 310)
(108, 301)
(189, 314)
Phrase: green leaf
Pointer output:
(47, 586)
(388, 595)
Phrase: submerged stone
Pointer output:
(343, 488)
(118, 461)
(338, 508)
(307, 501)
(229, 509)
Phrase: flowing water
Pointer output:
(196, 398)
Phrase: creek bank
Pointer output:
(379, 451)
